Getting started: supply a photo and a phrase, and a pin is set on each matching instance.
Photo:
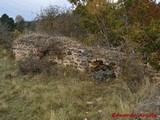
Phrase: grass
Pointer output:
(68, 95)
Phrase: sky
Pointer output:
(29, 8)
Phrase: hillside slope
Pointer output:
(67, 95)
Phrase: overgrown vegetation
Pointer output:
(67, 95)
(107, 24)
(53, 92)
(116, 23)
(53, 20)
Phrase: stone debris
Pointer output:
(100, 71)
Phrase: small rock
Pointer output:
(86, 112)
(89, 103)
(99, 99)
(99, 111)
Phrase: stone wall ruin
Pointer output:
(67, 52)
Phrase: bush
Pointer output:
(16, 33)
(149, 101)
(133, 70)
(6, 37)
(36, 66)
(55, 21)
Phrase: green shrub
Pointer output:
(16, 33)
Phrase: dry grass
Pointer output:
(68, 95)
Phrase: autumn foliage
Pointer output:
(126, 20)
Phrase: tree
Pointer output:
(19, 18)
(5, 37)
(127, 20)
(102, 18)
(55, 21)
(10, 24)
(145, 11)
(4, 18)
(144, 27)
(20, 23)
(7, 22)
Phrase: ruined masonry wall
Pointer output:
(65, 51)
